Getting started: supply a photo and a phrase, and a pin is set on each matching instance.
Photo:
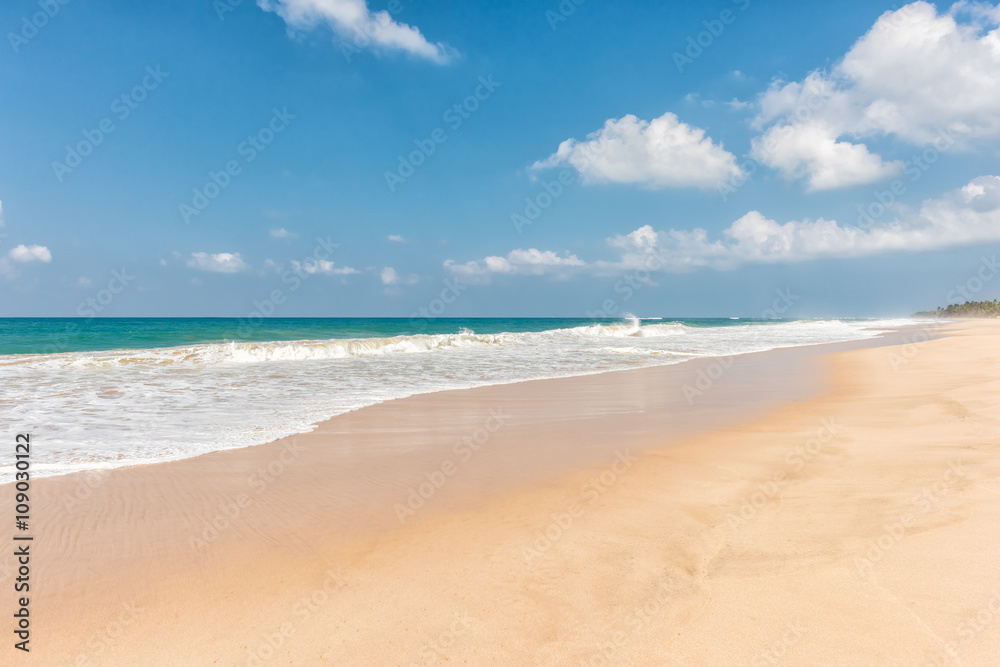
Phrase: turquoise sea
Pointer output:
(52, 335)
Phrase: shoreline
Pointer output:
(709, 360)
(554, 480)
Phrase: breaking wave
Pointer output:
(120, 407)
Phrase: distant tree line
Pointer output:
(967, 309)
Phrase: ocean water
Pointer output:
(104, 393)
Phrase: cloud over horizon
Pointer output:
(968, 215)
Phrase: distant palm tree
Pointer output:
(967, 309)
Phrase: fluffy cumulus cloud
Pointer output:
(30, 253)
(22, 254)
(917, 75)
(965, 216)
(220, 262)
(517, 262)
(812, 151)
(661, 153)
(357, 26)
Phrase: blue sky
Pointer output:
(253, 163)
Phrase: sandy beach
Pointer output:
(565, 333)
(828, 505)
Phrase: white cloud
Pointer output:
(396, 238)
(322, 267)
(34, 253)
(965, 216)
(22, 254)
(389, 276)
(916, 75)
(2, 222)
(660, 153)
(357, 26)
(811, 150)
(221, 262)
(517, 262)
(282, 233)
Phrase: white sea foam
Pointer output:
(94, 410)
